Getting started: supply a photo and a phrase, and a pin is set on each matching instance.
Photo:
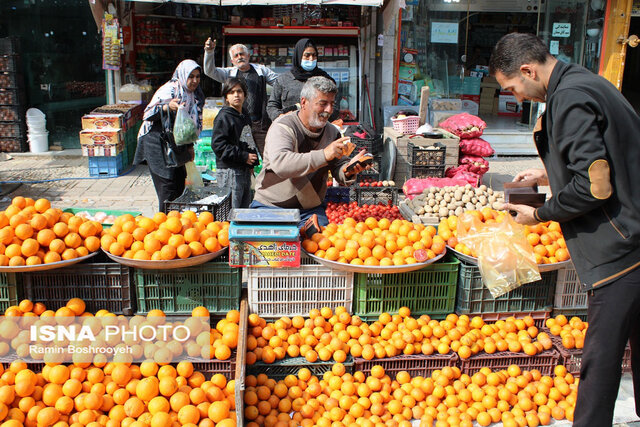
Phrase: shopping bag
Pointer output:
(174, 155)
(185, 130)
(505, 258)
(194, 179)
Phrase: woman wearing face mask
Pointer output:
(285, 95)
(183, 89)
(233, 144)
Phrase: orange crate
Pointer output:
(415, 364)
(544, 362)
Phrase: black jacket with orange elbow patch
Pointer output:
(589, 142)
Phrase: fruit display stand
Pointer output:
(430, 290)
(276, 292)
(414, 364)
(544, 362)
(213, 285)
(291, 365)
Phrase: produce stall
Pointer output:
(388, 318)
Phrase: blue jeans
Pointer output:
(304, 213)
(239, 180)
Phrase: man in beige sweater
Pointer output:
(299, 152)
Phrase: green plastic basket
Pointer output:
(8, 290)
(474, 297)
(213, 285)
(291, 365)
(431, 290)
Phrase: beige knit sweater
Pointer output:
(294, 171)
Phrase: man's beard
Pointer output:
(316, 122)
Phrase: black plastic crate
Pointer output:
(9, 113)
(279, 369)
(9, 46)
(372, 142)
(8, 63)
(427, 156)
(367, 176)
(8, 290)
(9, 80)
(337, 195)
(427, 171)
(376, 195)
(544, 362)
(13, 145)
(11, 130)
(415, 364)
(102, 286)
(190, 201)
(474, 297)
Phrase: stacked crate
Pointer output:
(12, 125)
(109, 136)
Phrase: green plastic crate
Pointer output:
(431, 290)
(213, 285)
(474, 296)
(8, 290)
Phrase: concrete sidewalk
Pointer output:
(71, 186)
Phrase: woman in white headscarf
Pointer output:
(183, 89)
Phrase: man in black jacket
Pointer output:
(589, 142)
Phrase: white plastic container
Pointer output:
(39, 142)
(36, 121)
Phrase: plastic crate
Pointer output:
(545, 362)
(291, 365)
(224, 367)
(10, 97)
(8, 63)
(376, 195)
(427, 171)
(189, 201)
(276, 292)
(372, 145)
(8, 290)
(427, 156)
(337, 195)
(407, 125)
(569, 291)
(367, 176)
(474, 297)
(9, 113)
(101, 285)
(431, 290)
(213, 285)
(415, 364)
(107, 166)
(539, 317)
(11, 130)
(13, 144)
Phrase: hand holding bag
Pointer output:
(174, 156)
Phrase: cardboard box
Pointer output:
(471, 103)
(100, 121)
(101, 137)
(508, 105)
(131, 113)
(264, 254)
(137, 97)
(102, 150)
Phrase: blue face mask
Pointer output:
(308, 65)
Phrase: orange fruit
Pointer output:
(183, 251)
(168, 252)
(29, 247)
(23, 231)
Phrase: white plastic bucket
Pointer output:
(39, 142)
(34, 113)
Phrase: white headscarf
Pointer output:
(177, 88)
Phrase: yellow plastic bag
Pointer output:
(505, 258)
(194, 179)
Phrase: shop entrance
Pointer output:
(630, 83)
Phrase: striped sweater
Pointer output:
(294, 172)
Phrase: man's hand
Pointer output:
(538, 175)
(252, 158)
(209, 45)
(335, 150)
(524, 213)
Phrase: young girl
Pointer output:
(233, 144)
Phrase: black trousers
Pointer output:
(169, 189)
(614, 318)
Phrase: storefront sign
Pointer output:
(561, 29)
(444, 32)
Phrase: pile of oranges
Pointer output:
(115, 394)
(165, 236)
(32, 233)
(326, 335)
(376, 242)
(545, 238)
(447, 397)
(572, 331)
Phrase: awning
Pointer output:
(374, 3)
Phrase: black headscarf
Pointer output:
(300, 73)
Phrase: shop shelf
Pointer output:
(213, 285)
(107, 166)
(427, 156)
(427, 171)
(337, 195)
(415, 364)
(8, 290)
(9, 45)
(291, 365)
(474, 297)
(276, 292)
(189, 201)
(9, 113)
(101, 285)
(544, 362)
(12, 144)
(8, 63)
(431, 290)
(376, 195)
(570, 294)
(539, 317)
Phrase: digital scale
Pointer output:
(264, 238)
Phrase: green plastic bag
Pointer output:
(185, 130)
